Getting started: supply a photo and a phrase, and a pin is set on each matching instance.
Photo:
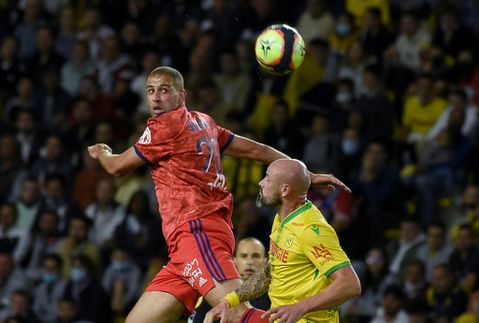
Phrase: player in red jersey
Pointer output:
(183, 149)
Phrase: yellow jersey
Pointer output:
(304, 252)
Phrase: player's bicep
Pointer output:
(241, 147)
(345, 273)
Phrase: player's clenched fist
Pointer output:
(98, 149)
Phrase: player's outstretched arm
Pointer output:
(242, 147)
(345, 285)
(114, 164)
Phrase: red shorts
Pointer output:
(201, 252)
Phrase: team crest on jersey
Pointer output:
(289, 241)
(145, 138)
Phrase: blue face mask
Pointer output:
(78, 274)
(49, 277)
(119, 265)
(349, 146)
(343, 29)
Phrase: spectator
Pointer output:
(44, 241)
(393, 307)
(149, 61)
(422, 110)
(320, 151)
(23, 101)
(404, 249)
(375, 108)
(113, 61)
(13, 238)
(437, 250)
(414, 282)
(76, 243)
(56, 199)
(94, 31)
(11, 68)
(67, 311)
(345, 34)
(50, 290)
(374, 281)
(283, 133)
(410, 43)
(106, 214)
(122, 280)
(316, 21)
(20, 307)
(29, 136)
(377, 187)
(374, 34)
(233, 84)
(11, 277)
(140, 232)
(29, 204)
(464, 260)
(89, 295)
(45, 57)
(76, 67)
(67, 34)
(446, 300)
(460, 107)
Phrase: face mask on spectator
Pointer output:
(343, 29)
(349, 146)
(119, 265)
(78, 274)
(49, 278)
(344, 97)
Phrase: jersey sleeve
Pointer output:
(225, 137)
(321, 245)
(156, 141)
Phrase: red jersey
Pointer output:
(183, 149)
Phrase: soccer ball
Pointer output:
(279, 49)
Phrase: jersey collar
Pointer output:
(296, 212)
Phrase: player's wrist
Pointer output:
(232, 299)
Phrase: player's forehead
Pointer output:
(249, 247)
(160, 80)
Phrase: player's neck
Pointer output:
(288, 207)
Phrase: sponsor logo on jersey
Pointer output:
(322, 253)
(278, 253)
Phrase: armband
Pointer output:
(232, 298)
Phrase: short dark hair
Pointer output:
(175, 75)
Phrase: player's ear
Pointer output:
(285, 190)
(182, 98)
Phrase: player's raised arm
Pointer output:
(242, 147)
(114, 164)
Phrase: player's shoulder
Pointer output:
(313, 218)
(168, 124)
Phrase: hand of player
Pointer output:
(96, 149)
(285, 314)
(328, 181)
(219, 311)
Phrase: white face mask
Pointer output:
(344, 97)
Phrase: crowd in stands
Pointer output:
(386, 99)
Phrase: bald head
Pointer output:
(292, 172)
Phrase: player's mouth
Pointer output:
(157, 110)
(249, 271)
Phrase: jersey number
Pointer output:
(209, 146)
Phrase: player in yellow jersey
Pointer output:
(308, 274)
